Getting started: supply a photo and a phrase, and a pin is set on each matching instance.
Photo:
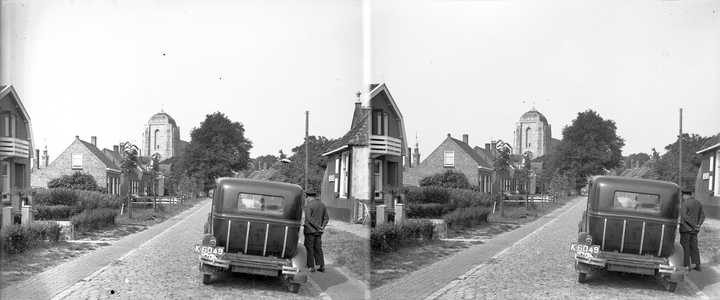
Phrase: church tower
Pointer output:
(161, 136)
(532, 133)
(416, 153)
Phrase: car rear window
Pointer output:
(636, 201)
(254, 202)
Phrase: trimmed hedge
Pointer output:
(466, 217)
(94, 218)
(84, 199)
(49, 197)
(428, 210)
(394, 236)
(448, 179)
(17, 238)
(56, 212)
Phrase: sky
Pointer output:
(103, 68)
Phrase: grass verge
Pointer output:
(349, 251)
(709, 242)
(388, 267)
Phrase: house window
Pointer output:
(337, 175)
(344, 175)
(378, 178)
(449, 158)
(380, 123)
(715, 168)
(9, 125)
(77, 161)
(5, 179)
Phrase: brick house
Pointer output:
(16, 144)
(707, 184)
(367, 158)
(453, 154)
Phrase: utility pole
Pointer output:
(307, 119)
(680, 153)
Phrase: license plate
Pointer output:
(593, 250)
(209, 250)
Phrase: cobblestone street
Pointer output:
(540, 266)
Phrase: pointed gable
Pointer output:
(100, 155)
(474, 155)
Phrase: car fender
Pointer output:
(677, 257)
(299, 260)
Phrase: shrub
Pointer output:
(434, 194)
(94, 218)
(448, 179)
(95, 200)
(56, 212)
(394, 236)
(75, 181)
(49, 197)
(470, 198)
(428, 210)
(17, 238)
(466, 217)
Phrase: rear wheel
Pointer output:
(582, 277)
(206, 278)
(294, 287)
(671, 286)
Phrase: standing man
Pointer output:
(691, 218)
(316, 218)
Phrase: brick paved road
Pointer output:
(157, 263)
(541, 267)
(524, 264)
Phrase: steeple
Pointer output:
(416, 153)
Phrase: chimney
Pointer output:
(93, 140)
(77, 137)
(465, 139)
(449, 135)
(487, 146)
(493, 144)
(116, 149)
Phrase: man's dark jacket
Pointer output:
(316, 217)
(692, 215)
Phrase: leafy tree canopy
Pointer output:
(75, 181)
(590, 146)
(665, 167)
(217, 149)
(294, 171)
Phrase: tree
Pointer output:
(128, 166)
(501, 166)
(294, 171)
(75, 181)
(447, 179)
(665, 167)
(590, 146)
(155, 174)
(218, 148)
(527, 171)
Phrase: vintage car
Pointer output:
(253, 227)
(629, 226)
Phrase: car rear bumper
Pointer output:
(270, 266)
(639, 264)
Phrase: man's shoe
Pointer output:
(697, 267)
(322, 269)
(312, 269)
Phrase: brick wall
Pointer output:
(62, 165)
(434, 163)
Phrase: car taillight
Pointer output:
(213, 241)
(588, 240)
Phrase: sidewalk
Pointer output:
(335, 283)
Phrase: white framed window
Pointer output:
(378, 178)
(715, 168)
(337, 175)
(13, 130)
(344, 175)
(449, 158)
(77, 161)
(385, 124)
(5, 179)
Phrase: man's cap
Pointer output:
(686, 191)
(310, 192)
